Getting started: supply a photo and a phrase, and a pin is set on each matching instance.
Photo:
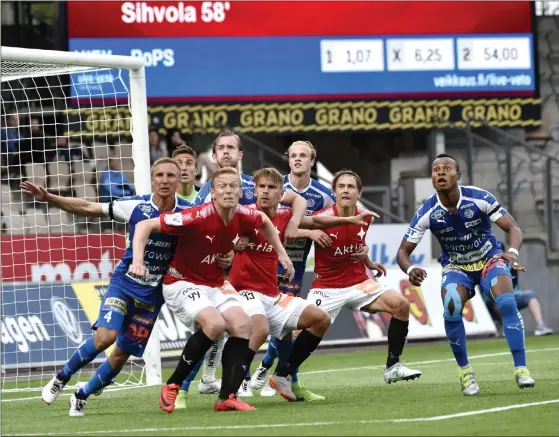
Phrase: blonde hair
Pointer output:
(224, 170)
(345, 172)
(303, 143)
(271, 173)
(165, 161)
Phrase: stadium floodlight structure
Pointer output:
(65, 117)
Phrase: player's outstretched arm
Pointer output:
(509, 225)
(403, 258)
(141, 236)
(298, 207)
(325, 221)
(69, 204)
(271, 234)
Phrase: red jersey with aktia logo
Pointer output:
(333, 266)
(255, 268)
(203, 237)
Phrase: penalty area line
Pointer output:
(314, 372)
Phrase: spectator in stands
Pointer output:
(67, 151)
(206, 166)
(9, 146)
(113, 183)
(174, 140)
(35, 145)
(157, 148)
(186, 158)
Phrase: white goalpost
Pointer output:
(69, 120)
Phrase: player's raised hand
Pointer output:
(224, 261)
(360, 218)
(138, 270)
(288, 266)
(360, 255)
(321, 238)
(512, 259)
(241, 244)
(417, 276)
(38, 192)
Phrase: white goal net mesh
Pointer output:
(69, 133)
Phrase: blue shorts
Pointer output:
(134, 320)
(290, 288)
(493, 267)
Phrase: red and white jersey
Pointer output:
(255, 268)
(333, 267)
(203, 236)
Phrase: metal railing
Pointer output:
(512, 141)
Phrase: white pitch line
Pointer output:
(314, 372)
(497, 354)
(301, 424)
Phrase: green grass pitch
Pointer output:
(358, 401)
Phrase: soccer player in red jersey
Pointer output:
(194, 287)
(340, 282)
(253, 273)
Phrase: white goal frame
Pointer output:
(139, 131)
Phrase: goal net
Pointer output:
(68, 120)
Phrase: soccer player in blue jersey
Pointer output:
(302, 156)
(130, 306)
(460, 217)
(227, 152)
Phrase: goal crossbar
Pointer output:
(18, 54)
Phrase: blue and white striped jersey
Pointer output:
(465, 237)
(159, 248)
(247, 185)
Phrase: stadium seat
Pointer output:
(35, 223)
(36, 173)
(15, 224)
(59, 175)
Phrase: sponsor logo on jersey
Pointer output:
(346, 250)
(476, 255)
(175, 273)
(296, 255)
(144, 306)
(146, 210)
(467, 205)
(437, 214)
(473, 223)
(143, 320)
(173, 219)
(66, 319)
(115, 304)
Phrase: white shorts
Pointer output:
(186, 300)
(282, 311)
(332, 300)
